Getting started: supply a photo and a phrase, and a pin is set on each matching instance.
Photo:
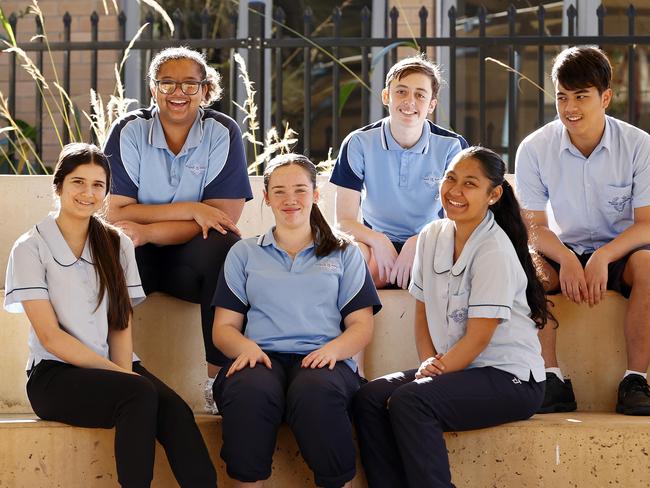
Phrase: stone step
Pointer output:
(565, 450)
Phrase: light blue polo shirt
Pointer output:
(294, 305)
(593, 199)
(211, 164)
(486, 281)
(42, 267)
(399, 187)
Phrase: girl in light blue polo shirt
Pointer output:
(76, 278)
(293, 307)
(479, 306)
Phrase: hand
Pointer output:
(401, 272)
(596, 272)
(384, 254)
(209, 217)
(321, 357)
(572, 280)
(136, 232)
(431, 367)
(250, 356)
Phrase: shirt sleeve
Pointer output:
(641, 185)
(356, 289)
(130, 267)
(231, 286)
(348, 171)
(531, 191)
(123, 155)
(232, 181)
(25, 278)
(493, 283)
(416, 286)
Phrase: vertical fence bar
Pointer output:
(512, 90)
(394, 16)
(365, 67)
(452, 67)
(571, 14)
(13, 21)
(631, 67)
(121, 22)
(178, 20)
(256, 14)
(336, 80)
(541, 14)
(232, 74)
(280, 18)
(423, 14)
(482, 15)
(94, 22)
(39, 95)
(306, 120)
(601, 11)
(205, 21)
(67, 122)
(145, 58)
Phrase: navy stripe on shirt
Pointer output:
(366, 297)
(225, 298)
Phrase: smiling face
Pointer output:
(467, 193)
(177, 108)
(409, 101)
(582, 112)
(83, 191)
(290, 195)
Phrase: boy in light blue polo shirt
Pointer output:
(392, 169)
(595, 171)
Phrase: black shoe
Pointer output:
(633, 396)
(558, 396)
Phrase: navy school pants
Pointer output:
(141, 408)
(400, 421)
(190, 272)
(314, 402)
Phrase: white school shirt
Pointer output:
(486, 281)
(42, 267)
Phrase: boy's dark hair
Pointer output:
(582, 67)
(415, 64)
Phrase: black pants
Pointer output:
(400, 421)
(190, 272)
(141, 408)
(315, 404)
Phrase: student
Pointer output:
(479, 306)
(307, 300)
(75, 277)
(179, 185)
(595, 171)
(392, 169)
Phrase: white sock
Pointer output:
(556, 372)
(629, 371)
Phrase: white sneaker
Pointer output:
(210, 405)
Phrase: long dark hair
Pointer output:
(507, 214)
(325, 239)
(104, 239)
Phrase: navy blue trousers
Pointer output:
(400, 421)
(314, 402)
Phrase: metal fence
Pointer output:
(258, 42)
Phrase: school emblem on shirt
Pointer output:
(195, 169)
(619, 203)
(459, 315)
(329, 266)
(431, 180)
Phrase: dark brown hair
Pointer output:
(415, 64)
(104, 238)
(582, 67)
(325, 239)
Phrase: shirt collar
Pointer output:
(63, 255)
(444, 253)
(157, 134)
(605, 140)
(268, 239)
(389, 143)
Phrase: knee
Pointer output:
(250, 388)
(369, 398)
(315, 389)
(140, 391)
(405, 401)
(639, 265)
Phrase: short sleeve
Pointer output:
(416, 286)
(348, 171)
(123, 155)
(641, 186)
(492, 283)
(25, 278)
(530, 189)
(231, 286)
(131, 274)
(232, 181)
(356, 289)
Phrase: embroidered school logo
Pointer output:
(619, 203)
(195, 169)
(459, 315)
(431, 181)
(329, 266)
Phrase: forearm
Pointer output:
(229, 340)
(545, 241)
(463, 353)
(120, 347)
(149, 214)
(172, 232)
(360, 232)
(72, 351)
(423, 342)
(635, 236)
(356, 336)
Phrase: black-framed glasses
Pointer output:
(168, 87)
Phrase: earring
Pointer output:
(491, 202)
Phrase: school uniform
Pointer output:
(292, 307)
(141, 408)
(399, 187)
(211, 165)
(592, 198)
(504, 382)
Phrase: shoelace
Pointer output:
(639, 385)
